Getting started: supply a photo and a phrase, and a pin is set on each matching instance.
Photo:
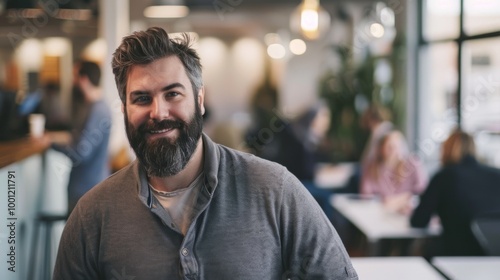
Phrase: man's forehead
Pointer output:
(162, 65)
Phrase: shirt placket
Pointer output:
(189, 263)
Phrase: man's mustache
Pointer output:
(160, 125)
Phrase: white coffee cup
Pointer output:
(37, 125)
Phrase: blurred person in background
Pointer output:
(9, 116)
(303, 150)
(376, 121)
(87, 146)
(394, 174)
(298, 145)
(460, 191)
(267, 123)
(51, 107)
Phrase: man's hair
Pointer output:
(144, 47)
(90, 70)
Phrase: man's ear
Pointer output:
(201, 100)
(123, 108)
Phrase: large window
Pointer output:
(459, 75)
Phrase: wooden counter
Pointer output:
(17, 150)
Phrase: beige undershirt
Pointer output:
(179, 204)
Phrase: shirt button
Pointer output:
(184, 252)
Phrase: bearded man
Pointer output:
(189, 208)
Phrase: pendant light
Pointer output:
(310, 20)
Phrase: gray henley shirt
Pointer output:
(252, 220)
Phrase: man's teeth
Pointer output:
(159, 131)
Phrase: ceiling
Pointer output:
(233, 18)
(221, 18)
(194, 4)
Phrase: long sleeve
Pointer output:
(94, 134)
(429, 201)
(368, 186)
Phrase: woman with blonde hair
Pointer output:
(462, 190)
(394, 171)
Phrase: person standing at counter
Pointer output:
(189, 208)
(88, 145)
(462, 190)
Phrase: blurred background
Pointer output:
(434, 65)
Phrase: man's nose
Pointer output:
(159, 109)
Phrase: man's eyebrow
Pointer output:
(166, 88)
(174, 85)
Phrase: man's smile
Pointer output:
(160, 131)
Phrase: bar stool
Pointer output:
(47, 221)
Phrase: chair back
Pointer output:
(486, 230)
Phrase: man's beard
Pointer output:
(163, 157)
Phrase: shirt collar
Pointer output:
(211, 156)
(212, 163)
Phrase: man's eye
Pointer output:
(172, 94)
(141, 99)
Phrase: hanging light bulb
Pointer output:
(310, 20)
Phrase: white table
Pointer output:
(376, 222)
(395, 268)
(333, 176)
(469, 268)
